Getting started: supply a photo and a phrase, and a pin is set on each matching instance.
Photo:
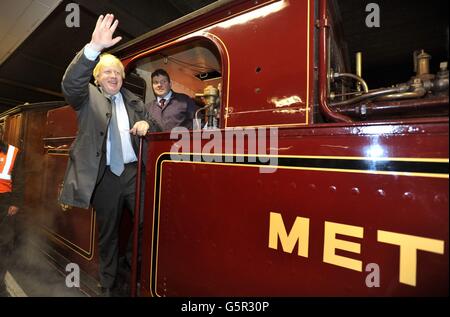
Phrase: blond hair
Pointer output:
(108, 60)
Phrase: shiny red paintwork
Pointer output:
(213, 227)
(72, 232)
(262, 60)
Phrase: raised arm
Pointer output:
(75, 83)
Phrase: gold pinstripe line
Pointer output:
(340, 170)
(60, 239)
(431, 160)
(63, 241)
(307, 83)
(356, 158)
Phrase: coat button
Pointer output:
(102, 133)
(98, 154)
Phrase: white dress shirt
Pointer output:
(166, 98)
(122, 119)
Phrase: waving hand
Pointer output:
(102, 37)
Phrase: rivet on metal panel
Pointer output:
(355, 191)
(408, 196)
(438, 199)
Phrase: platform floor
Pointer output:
(32, 275)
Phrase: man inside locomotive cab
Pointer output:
(170, 109)
(102, 166)
(11, 186)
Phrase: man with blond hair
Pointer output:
(102, 164)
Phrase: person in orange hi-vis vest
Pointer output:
(9, 204)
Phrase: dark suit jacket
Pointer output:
(178, 112)
(87, 153)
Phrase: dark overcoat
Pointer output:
(87, 153)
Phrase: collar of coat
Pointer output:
(129, 98)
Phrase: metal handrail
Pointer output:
(137, 212)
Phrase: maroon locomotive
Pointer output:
(295, 182)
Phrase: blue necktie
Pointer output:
(115, 151)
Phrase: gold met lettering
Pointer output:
(331, 243)
(299, 232)
(408, 252)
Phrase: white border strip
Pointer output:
(12, 287)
